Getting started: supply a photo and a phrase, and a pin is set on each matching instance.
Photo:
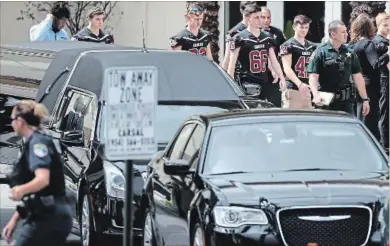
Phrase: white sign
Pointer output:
(131, 100)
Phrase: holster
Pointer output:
(36, 206)
(345, 94)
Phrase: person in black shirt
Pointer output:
(382, 46)
(296, 54)
(39, 182)
(193, 38)
(253, 48)
(242, 25)
(280, 38)
(94, 32)
(362, 32)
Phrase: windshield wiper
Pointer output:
(238, 172)
(317, 169)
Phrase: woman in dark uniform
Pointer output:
(39, 180)
(362, 34)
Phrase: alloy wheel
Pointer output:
(85, 222)
(198, 239)
(148, 233)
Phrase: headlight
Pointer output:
(238, 216)
(115, 181)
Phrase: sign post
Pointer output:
(131, 100)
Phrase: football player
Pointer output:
(236, 29)
(279, 38)
(296, 54)
(193, 38)
(253, 48)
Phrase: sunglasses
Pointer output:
(196, 10)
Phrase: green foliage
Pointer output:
(78, 18)
(288, 29)
(369, 7)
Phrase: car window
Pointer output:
(79, 115)
(269, 147)
(178, 147)
(194, 143)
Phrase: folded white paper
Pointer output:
(327, 97)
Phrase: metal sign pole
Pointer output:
(129, 123)
(128, 229)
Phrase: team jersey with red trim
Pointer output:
(253, 56)
(188, 41)
(300, 58)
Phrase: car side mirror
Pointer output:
(73, 138)
(177, 167)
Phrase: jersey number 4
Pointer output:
(300, 67)
(200, 51)
(258, 61)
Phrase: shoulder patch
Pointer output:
(173, 42)
(40, 150)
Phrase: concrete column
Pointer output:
(333, 11)
(222, 19)
(277, 14)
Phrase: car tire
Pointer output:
(197, 236)
(88, 236)
(148, 238)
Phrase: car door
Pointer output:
(183, 189)
(79, 113)
(166, 211)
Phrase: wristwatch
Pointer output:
(366, 99)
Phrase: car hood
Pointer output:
(300, 188)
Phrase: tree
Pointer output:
(79, 10)
(370, 8)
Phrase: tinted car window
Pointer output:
(180, 143)
(194, 143)
(269, 147)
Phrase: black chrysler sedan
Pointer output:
(267, 177)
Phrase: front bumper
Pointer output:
(256, 235)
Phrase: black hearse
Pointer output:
(71, 89)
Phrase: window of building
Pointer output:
(314, 10)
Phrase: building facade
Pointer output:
(163, 19)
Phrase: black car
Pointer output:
(267, 177)
(71, 89)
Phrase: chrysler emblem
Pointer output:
(325, 218)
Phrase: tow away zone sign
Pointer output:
(131, 101)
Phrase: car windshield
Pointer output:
(170, 117)
(278, 147)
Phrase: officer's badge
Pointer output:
(312, 55)
(274, 36)
(40, 150)
(348, 54)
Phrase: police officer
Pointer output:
(330, 69)
(40, 183)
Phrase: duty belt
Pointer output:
(344, 94)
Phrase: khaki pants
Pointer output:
(294, 99)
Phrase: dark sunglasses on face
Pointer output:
(196, 10)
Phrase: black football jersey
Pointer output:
(278, 36)
(300, 58)
(188, 41)
(253, 56)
